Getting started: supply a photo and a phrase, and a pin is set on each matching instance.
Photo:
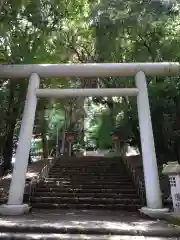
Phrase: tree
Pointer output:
(34, 32)
(130, 31)
(57, 31)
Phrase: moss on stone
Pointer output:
(174, 220)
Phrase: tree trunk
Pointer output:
(29, 159)
(43, 134)
(44, 145)
(8, 149)
(11, 119)
(16, 97)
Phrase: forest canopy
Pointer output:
(81, 31)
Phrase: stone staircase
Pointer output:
(87, 183)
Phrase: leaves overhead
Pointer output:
(61, 31)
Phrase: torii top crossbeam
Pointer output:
(89, 69)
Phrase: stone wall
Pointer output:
(136, 163)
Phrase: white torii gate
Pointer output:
(15, 204)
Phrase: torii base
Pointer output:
(12, 210)
(154, 213)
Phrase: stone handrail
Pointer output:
(137, 179)
(43, 174)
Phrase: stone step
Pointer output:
(89, 178)
(79, 194)
(86, 186)
(100, 175)
(87, 173)
(114, 206)
(115, 167)
(87, 223)
(90, 164)
(74, 167)
(89, 159)
(85, 200)
(94, 173)
(91, 168)
(70, 163)
(80, 190)
(84, 181)
(56, 236)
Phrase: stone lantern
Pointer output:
(115, 140)
(70, 136)
(172, 170)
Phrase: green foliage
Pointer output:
(130, 31)
(61, 31)
(104, 132)
(38, 31)
(100, 131)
